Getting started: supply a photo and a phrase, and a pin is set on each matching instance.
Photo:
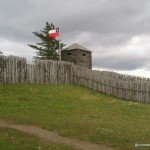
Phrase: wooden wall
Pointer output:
(12, 69)
(122, 86)
(15, 70)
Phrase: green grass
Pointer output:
(77, 112)
(14, 140)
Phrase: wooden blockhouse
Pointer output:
(77, 54)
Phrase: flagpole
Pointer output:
(60, 48)
(59, 44)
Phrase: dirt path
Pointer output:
(53, 136)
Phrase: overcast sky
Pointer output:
(116, 31)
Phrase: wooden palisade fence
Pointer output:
(15, 70)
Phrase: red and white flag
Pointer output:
(53, 33)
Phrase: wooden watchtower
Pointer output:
(77, 54)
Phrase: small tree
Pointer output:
(1, 53)
(48, 48)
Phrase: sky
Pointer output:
(116, 31)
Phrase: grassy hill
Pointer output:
(77, 112)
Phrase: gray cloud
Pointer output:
(104, 26)
(125, 63)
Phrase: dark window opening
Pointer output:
(83, 54)
(68, 53)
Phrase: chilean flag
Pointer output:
(53, 33)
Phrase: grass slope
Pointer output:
(77, 112)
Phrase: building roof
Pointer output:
(76, 46)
